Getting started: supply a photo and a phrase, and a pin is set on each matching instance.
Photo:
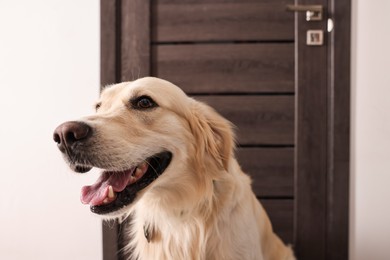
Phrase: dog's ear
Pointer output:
(213, 134)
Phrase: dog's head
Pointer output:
(148, 137)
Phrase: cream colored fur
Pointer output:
(202, 206)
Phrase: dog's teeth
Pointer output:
(143, 165)
(111, 193)
(138, 172)
(141, 169)
(132, 179)
(105, 201)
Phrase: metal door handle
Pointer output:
(313, 12)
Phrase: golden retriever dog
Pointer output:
(168, 161)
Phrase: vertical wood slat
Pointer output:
(311, 141)
(108, 75)
(110, 232)
(338, 174)
(134, 62)
(125, 55)
(108, 42)
(135, 39)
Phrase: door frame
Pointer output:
(119, 54)
(339, 76)
(321, 220)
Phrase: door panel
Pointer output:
(227, 68)
(281, 211)
(271, 169)
(259, 120)
(311, 139)
(220, 20)
(248, 60)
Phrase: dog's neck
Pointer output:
(182, 230)
(171, 238)
(169, 234)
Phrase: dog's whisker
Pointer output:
(151, 166)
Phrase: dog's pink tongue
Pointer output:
(96, 193)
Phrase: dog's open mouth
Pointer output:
(114, 190)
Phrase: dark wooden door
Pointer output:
(289, 101)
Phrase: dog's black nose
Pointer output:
(69, 133)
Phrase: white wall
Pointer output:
(370, 183)
(49, 73)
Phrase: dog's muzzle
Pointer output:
(115, 189)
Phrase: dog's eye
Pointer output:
(144, 102)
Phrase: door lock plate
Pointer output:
(315, 37)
